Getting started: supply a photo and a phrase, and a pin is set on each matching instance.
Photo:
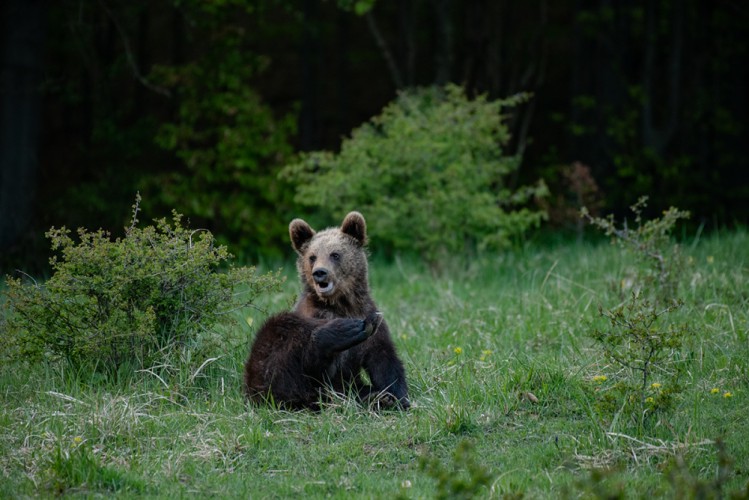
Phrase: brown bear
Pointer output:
(333, 332)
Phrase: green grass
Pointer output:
(497, 353)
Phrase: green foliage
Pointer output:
(359, 7)
(128, 301)
(650, 242)
(430, 170)
(638, 339)
(464, 478)
(639, 342)
(572, 188)
(228, 139)
(646, 130)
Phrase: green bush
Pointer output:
(430, 170)
(650, 242)
(229, 141)
(647, 349)
(126, 301)
(639, 338)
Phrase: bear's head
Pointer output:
(332, 263)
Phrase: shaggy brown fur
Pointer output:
(333, 332)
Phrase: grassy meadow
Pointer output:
(509, 395)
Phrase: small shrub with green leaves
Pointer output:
(646, 348)
(639, 339)
(129, 301)
(650, 242)
(430, 170)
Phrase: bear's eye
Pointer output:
(335, 256)
(312, 258)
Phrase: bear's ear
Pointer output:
(354, 226)
(300, 233)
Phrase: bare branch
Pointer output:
(395, 73)
(129, 54)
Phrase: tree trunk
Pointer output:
(443, 57)
(658, 136)
(20, 113)
(309, 130)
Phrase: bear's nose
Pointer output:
(320, 274)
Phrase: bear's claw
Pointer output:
(372, 323)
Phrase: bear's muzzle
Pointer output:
(323, 282)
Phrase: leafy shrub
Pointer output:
(573, 187)
(639, 339)
(430, 170)
(126, 301)
(650, 242)
(647, 350)
(228, 139)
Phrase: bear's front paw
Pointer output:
(352, 327)
(386, 401)
(340, 334)
(372, 323)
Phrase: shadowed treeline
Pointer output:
(200, 104)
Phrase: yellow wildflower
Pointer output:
(78, 440)
(458, 350)
(600, 378)
(649, 401)
(655, 385)
(714, 390)
(727, 395)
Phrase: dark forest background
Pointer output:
(199, 104)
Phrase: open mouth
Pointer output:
(325, 288)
